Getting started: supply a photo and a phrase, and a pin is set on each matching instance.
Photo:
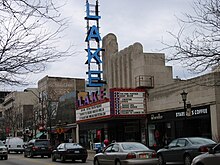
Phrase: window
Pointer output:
(108, 149)
(115, 148)
(173, 143)
(181, 143)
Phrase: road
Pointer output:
(18, 159)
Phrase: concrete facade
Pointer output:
(121, 69)
(18, 112)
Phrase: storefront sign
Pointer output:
(93, 50)
(84, 98)
(200, 111)
(93, 112)
(194, 112)
(156, 116)
(128, 102)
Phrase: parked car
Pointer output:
(14, 144)
(3, 151)
(37, 147)
(70, 151)
(210, 158)
(183, 150)
(126, 153)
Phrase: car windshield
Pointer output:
(134, 146)
(201, 141)
(42, 143)
(73, 145)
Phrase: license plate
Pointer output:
(144, 156)
(77, 152)
(43, 148)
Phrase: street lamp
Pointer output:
(184, 98)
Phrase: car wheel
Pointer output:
(25, 155)
(83, 160)
(161, 160)
(117, 162)
(49, 156)
(53, 158)
(42, 156)
(96, 161)
(187, 160)
(62, 158)
(6, 157)
(31, 154)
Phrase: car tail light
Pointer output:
(34, 148)
(203, 149)
(130, 156)
(154, 155)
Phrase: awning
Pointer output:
(39, 134)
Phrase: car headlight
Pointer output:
(4, 149)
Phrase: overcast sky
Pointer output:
(144, 21)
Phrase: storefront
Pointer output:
(165, 126)
(120, 118)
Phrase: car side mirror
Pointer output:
(166, 147)
(211, 151)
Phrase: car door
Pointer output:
(104, 156)
(179, 150)
(113, 154)
(60, 149)
(168, 151)
(213, 158)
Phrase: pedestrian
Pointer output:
(106, 142)
(70, 140)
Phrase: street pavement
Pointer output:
(19, 159)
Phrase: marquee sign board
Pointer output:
(93, 112)
(128, 101)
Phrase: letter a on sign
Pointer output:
(93, 33)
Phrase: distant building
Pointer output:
(51, 90)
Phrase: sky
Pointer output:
(143, 21)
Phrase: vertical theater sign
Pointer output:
(94, 49)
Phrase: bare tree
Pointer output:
(197, 43)
(12, 119)
(29, 35)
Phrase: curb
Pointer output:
(91, 154)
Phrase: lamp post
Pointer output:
(184, 98)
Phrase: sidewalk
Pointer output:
(91, 154)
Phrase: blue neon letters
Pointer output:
(93, 36)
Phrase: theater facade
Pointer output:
(120, 117)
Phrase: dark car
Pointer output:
(38, 147)
(210, 158)
(183, 150)
(3, 151)
(70, 151)
(126, 153)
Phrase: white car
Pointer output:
(14, 144)
(210, 158)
